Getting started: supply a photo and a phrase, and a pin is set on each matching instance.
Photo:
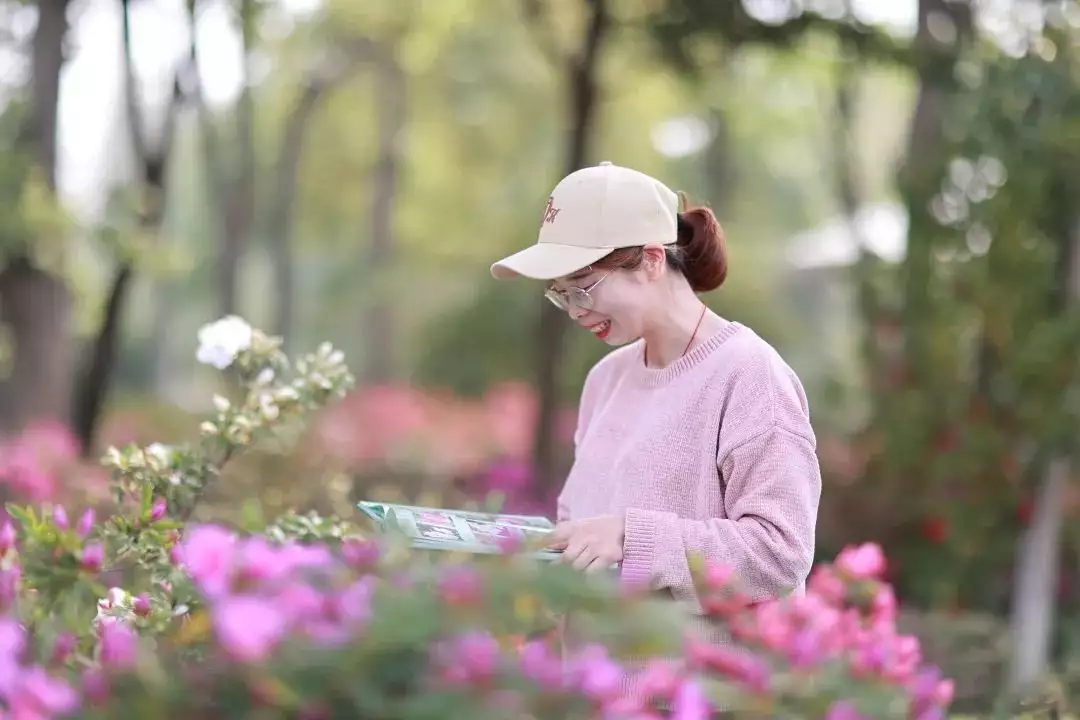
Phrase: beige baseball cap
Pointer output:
(590, 213)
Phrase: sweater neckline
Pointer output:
(655, 377)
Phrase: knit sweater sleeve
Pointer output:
(772, 487)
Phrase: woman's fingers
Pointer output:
(584, 558)
(574, 550)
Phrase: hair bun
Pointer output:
(702, 249)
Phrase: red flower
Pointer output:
(935, 529)
(1025, 511)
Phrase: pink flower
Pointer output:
(93, 557)
(690, 702)
(95, 685)
(259, 561)
(826, 584)
(460, 585)
(657, 680)
(594, 673)
(12, 644)
(7, 538)
(884, 605)
(63, 647)
(207, 553)
(41, 696)
(353, 605)
(141, 605)
(360, 554)
(158, 509)
(300, 601)
(86, 523)
(119, 646)
(477, 654)
(862, 562)
(843, 710)
(540, 665)
(719, 577)
(60, 517)
(249, 628)
(733, 663)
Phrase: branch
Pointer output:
(92, 388)
(682, 21)
(538, 23)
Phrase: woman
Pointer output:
(694, 437)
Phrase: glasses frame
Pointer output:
(574, 296)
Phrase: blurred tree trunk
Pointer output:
(318, 85)
(845, 166)
(581, 68)
(944, 26)
(282, 208)
(229, 166)
(152, 163)
(240, 196)
(35, 304)
(379, 321)
(1034, 601)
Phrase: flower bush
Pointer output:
(143, 613)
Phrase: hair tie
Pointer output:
(684, 202)
(684, 232)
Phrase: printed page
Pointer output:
(460, 530)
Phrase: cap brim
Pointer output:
(547, 261)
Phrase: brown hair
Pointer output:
(699, 254)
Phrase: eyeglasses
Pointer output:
(578, 297)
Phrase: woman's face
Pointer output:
(613, 305)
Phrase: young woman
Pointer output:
(694, 436)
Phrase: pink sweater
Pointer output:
(713, 454)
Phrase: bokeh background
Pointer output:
(898, 181)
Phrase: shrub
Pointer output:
(308, 619)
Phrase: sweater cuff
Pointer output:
(639, 549)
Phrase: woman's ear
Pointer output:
(655, 261)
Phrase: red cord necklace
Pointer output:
(686, 349)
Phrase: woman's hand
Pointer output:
(590, 544)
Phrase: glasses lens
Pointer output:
(581, 298)
(556, 298)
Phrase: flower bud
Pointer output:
(93, 557)
(86, 523)
(141, 605)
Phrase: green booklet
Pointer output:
(459, 530)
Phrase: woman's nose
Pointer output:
(576, 312)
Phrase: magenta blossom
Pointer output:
(865, 561)
(60, 517)
(158, 509)
(93, 557)
(360, 553)
(207, 553)
(119, 646)
(7, 538)
(86, 523)
(249, 628)
(41, 696)
(460, 585)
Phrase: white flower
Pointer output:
(162, 453)
(268, 407)
(114, 607)
(220, 342)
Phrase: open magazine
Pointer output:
(459, 530)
